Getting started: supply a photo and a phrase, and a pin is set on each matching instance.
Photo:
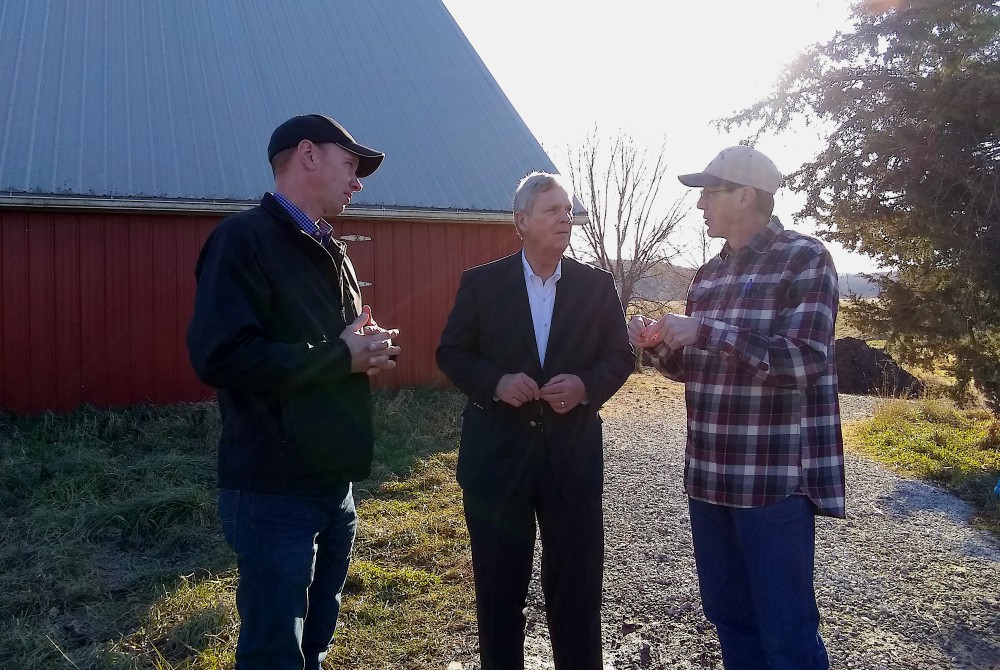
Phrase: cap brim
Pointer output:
(699, 179)
(369, 159)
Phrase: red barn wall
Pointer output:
(94, 306)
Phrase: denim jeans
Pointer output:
(755, 570)
(292, 554)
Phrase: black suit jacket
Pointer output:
(489, 333)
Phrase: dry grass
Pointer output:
(408, 602)
(654, 309)
(111, 556)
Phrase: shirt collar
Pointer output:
(304, 222)
(759, 243)
(529, 273)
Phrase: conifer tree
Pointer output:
(910, 172)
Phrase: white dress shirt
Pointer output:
(541, 299)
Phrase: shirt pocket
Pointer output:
(756, 308)
(708, 301)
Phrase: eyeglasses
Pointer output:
(705, 192)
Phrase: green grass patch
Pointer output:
(111, 554)
(932, 439)
(409, 601)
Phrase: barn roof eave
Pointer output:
(223, 207)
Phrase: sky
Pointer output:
(656, 70)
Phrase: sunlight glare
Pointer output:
(655, 70)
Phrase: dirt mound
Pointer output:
(866, 371)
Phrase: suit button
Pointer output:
(533, 424)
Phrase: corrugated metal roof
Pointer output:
(177, 98)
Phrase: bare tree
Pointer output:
(699, 248)
(628, 228)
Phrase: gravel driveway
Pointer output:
(903, 582)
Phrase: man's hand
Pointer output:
(373, 327)
(371, 345)
(637, 327)
(674, 330)
(516, 389)
(563, 393)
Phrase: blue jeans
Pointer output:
(755, 570)
(292, 554)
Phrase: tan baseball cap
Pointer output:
(741, 165)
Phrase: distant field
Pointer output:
(857, 285)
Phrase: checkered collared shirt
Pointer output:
(761, 384)
(319, 230)
(305, 223)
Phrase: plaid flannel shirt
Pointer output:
(761, 384)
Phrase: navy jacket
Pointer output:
(270, 306)
(489, 333)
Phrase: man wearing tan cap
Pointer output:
(280, 330)
(764, 449)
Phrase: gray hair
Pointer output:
(533, 184)
(763, 202)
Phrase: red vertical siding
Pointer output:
(414, 268)
(93, 331)
(68, 353)
(190, 239)
(15, 386)
(116, 340)
(94, 307)
(164, 341)
(41, 313)
(139, 260)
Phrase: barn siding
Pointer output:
(16, 315)
(94, 306)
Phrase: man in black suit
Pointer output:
(538, 343)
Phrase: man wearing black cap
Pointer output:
(764, 448)
(279, 329)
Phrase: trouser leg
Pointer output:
(502, 536)
(572, 534)
(333, 555)
(273, 540)
(725, 590)
(778, 547)
(755, 569)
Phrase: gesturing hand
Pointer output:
(371, 345)
(673, 330)
(637, 327)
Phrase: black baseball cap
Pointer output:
(318, 128)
